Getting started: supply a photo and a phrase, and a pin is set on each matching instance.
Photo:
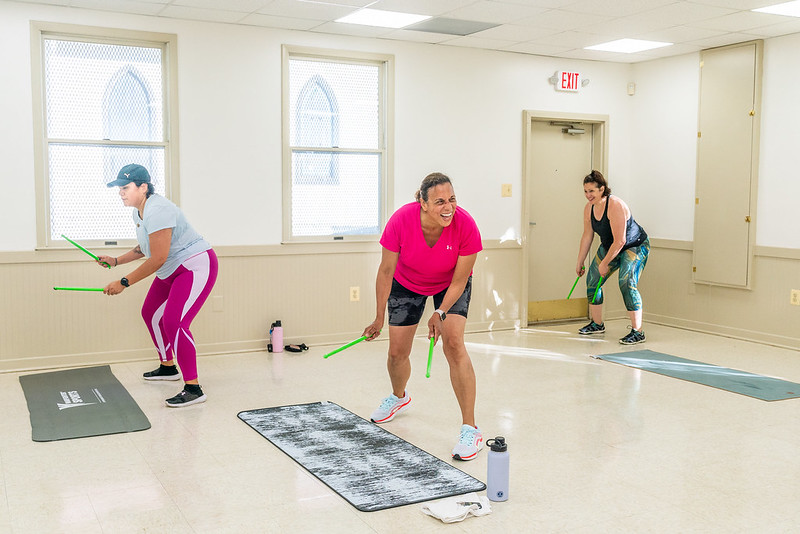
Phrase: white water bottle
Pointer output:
(497, 471)
(276, 336)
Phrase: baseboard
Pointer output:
(61, 361)
(726, 331)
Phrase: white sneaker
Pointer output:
(470, 442)
(390, 406)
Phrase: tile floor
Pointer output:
(595, 447)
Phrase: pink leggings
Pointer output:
(171, 305)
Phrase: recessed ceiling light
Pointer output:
(790, 9)
(384, 19)
(627, 46)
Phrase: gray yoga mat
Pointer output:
(369, 467)
(78, 403)
(757, 386)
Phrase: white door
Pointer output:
(557, 162)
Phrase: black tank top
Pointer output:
(634, 234)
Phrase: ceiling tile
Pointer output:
(511, 32)
(724, 39)
(125, 6)
(775, 30)
(615, 8)
(418, 37)
(739, 22)
(286, 23)
(196, 13)
(245, 6)
(357, 30)
(558, 20)
(306, 10)
(499, 12)
(476, 42)
(678, 34)
(434, 8)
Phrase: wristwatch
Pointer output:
(125, 282)
(442, 314)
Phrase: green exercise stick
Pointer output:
(599, 283)
(573, 287)
(340, 349)
(430, 358)
(86, 251)
(78, 288)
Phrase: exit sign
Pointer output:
(568, 81)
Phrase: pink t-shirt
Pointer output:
(423, 269)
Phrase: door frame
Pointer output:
(599, 124)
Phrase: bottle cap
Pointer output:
(276, 323)
(498, 444)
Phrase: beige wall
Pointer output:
(306, 286)
(762, 313)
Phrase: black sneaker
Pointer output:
(186, 398)
(164, 372)
(592, 328)
(634, 337)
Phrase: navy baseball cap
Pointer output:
(131, 173)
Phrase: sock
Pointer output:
(195, 389)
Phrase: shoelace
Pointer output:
(467, 437)
(388, 402)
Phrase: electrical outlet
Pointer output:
(355, 294)
(505, 190)
(794, 297)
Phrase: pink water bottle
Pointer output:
(276, 336)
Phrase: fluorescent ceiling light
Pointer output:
(384, 19)
(790, 9)
(627, 46)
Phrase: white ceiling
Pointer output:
(558, 28)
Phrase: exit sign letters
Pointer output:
(568, 81)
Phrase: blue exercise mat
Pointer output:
(368, 466)
(756, 386)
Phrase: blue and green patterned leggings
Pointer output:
(630, 263)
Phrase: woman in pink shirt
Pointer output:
(429, 249)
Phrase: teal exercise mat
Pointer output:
(756, 386)
(366, 465)
(79, 403)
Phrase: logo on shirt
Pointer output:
(449, 247)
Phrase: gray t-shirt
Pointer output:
(160, 213)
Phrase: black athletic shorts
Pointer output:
(406, 306)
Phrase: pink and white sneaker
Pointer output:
(390, 406)
(470, 442)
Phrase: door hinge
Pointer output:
(747, 218)
(699, 135)
(752, 112)
(694, 269)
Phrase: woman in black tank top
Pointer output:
(624, 246)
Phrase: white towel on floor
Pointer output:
(453, 509)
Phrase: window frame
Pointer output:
(40, 31)
(386, 137)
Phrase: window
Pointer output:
(336, 149)
(104, 104)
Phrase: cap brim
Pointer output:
(118, 182)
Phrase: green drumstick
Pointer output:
(86, 251)
(599, 282)
(78, 288)
(430, 358)
(340, 349)
(573, 287)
